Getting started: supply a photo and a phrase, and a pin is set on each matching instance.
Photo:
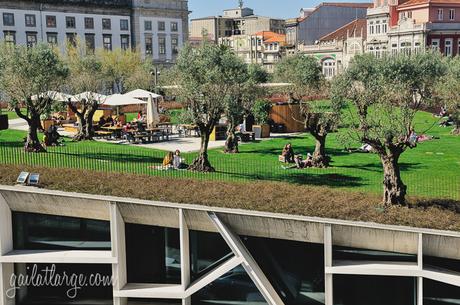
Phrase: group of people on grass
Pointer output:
(288, 156)
(174, 161)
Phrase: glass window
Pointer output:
(106, 24)
(175, 45)
(31, 39)
(448, 47)
(174, 27)
(162, 45)
(161, 26)
(107, 42)
(452, 14)
(152, 254)
(357, 254)
(440, 14)
(124, 25)
(47, 232)
(147, 25)
(72, 38)
(435, 44)
(30, 21)
(148, 45)
(366, 290)
(52, 38)
(70, 22)
(124, 42)
(409, 14)
(10, 37)
(100, 293)
(51, 21)
(437, 293)
(8, 19)
(89, 23)
(90, 43)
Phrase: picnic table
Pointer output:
(147, 135)
(115, 130)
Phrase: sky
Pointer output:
(273, 8)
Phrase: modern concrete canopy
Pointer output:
(230, 224)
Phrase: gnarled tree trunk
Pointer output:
(320, 159)
(201, 163)
(231, 144)
(32, 142)
(394, 190)
(85, 119)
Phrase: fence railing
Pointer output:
(246, 166)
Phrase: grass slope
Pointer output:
(431, 170)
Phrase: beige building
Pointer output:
(237, 21)
(264, 48)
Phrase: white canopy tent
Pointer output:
(117, 100)
(55, 96)
(90, 96)
(153, 117)
(142, 94)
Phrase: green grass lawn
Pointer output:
(11, 114)
(430, 170)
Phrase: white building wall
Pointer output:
(41, 27)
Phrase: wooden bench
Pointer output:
(102, 134)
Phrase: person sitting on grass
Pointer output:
(178, 161)
(300, 163)
(168, 159)
(288, 153)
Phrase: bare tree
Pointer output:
(385, 95)
(29, 77)
(206, 77)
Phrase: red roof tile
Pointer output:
(420, 2)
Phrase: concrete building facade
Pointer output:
(165, 253)
(328, 17)
(237, 21)
(99, 24)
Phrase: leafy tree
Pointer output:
(385, 95)
(306, 79)
(448, 90)
(239, 104)
(125, 69)
(206, 77)
(85, 77)
(27, 75)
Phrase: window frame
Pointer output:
(29, 17)
(161, 26)
(53, 19)
(107, 46)
(174, 26)
(5, 19)
(124, 25)
(9, 34)
(89, 23)
(70, 22)
(106, 24)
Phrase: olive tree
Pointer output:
(448, 90)
(125, 69)
(206, 77)
(239, 104)
(85, 84)
(305, 77)
(385, 95)
(28, 76)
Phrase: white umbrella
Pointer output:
(90, 96)
(121, 100)
(55, 96)
(153, 117)
(141, 94)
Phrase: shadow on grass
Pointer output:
(377, 167)
(277, 151)
(296, 176)
(445, 204)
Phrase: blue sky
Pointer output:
(272, 8)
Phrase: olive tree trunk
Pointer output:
(32, 143)
(320, 159)
(231, 144)
(394, 190)
(85, 119)
(201, 163)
